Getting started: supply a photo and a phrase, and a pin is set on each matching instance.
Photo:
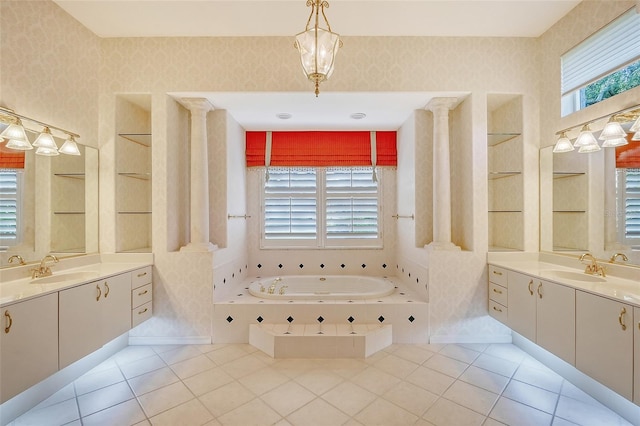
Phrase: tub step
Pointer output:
(320, 340)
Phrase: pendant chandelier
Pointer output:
(317, 46)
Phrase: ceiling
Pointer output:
(258, 111)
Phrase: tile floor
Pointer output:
(235, 384)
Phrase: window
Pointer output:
(628, 183)
(321, 208)
(10, 203)
(603, 65)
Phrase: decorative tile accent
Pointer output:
(290, 319)
(280, 266)
(320, 319)
(229, 319)
(381, 318)
(351, 319)
(343, 266)
(259, 265)
(384, 265)
(363, 266)
(411, 318)
(301, 266)
(260, 319)
(322, 265)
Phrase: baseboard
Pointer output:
(188, 340)
(466, 338)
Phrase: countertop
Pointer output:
(626, 290)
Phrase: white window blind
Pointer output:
(9, 206)
(631, 206)
(611, 48)
(351, 204)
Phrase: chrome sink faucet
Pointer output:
(593, 268)
(43, 270)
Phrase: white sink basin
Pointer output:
(68, 276)
(576, 276)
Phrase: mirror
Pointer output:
(584, 203)
(58, 208)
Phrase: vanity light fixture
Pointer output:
(612, 130)
(585, 138)
(636, 126)
(563, 144)
(317, 46)
(15, 132)
(612, 143)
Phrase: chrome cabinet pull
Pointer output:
(495, 290)
(143, 311)
(9, 321)
(142, 275)
(497, 272)
(497, 309)
(99, 292)
(540, 292)
(106, 293)
(143, 293)
(529, 287)
(623, 312)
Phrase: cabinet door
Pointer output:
(522, 305)
(556, 319)
(636, 355)
(28, 344)
(116, 306)
(80, 321)
(604, 341)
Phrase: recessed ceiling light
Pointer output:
(358, 115)
(283, 115)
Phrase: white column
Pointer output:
(199, 215)
(441, 174)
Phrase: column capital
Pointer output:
(441, 103)
(196, 104)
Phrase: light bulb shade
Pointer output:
(18, 145)
(612, 143)
(563, 144)
(69, 147)
(585, 138)
(48, 152)
(15, 132)
(635, 127)
(612, 130)
(45, 140)
(586, 149)
(636, 136)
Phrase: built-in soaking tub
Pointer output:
(321, 287)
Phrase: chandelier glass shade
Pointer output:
(317, 46)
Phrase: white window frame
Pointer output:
(321, 240)
(612, 48)
(622, 197)
(8, 242)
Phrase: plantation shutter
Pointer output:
(8, 207)
(632, 206)
(351, 204)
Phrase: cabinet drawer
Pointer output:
(141, 314)
(498, 275)
(498, 294)
(140, 277)
(498, 311)
(141, 295)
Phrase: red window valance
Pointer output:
(10, 158)
(321, 149)
(628, 156)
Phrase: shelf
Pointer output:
(143, 139)
(70, 250)
(496, 248)
(494, 139)
(500, 175)
(569, 211)
(560, 248)
(137, 250)
(134, 212)
(141, 176)
(70, 175)
(560, 175)
(505, 211)
(68, 213)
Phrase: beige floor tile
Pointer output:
(506, 351)
(243, 366)
(287, 398)
(90, 382)
(396, 366)
(542, 379)
(103, 398)
(413, 353)
(533, 396)
(66, 393)
(431, 380)
(126, 413)
(460, 353)
(448, 413)
(349, 398)
(263, 380)
(162, 399)
(344, 367)
(133, 353)
(375, 380)
(254, 413)
(319, 413)
(60, 413)
(192, 366)
(207, 381)
(319, 381)
(294, 367)
(587, 414)
(142, 366)
(384, 413)
(513, 413)
(485, 379)
(226, 354)
(412, 398)
(472, 397)
(180, 354)
(191, 413)
(446, 365)
(224, 399)
(496, 365)
(153, 380)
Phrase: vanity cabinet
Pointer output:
(28, 344)
(636, 355)
(141, 296)
(604, 341)
(543, 312)
(498, 293)
(93, 314)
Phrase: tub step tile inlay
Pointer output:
(320, 340)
